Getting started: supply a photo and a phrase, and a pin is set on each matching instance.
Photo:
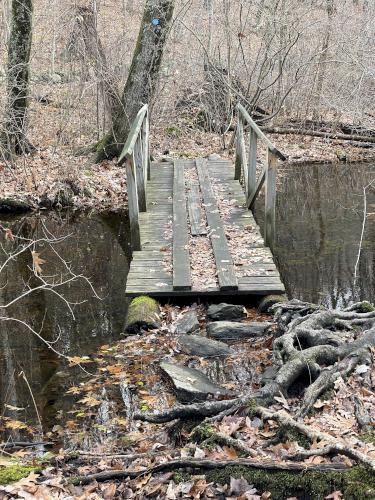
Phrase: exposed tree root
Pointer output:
(195, 410)
(335, 447)
(205, 464)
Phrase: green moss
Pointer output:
(355, 484)
(14, 473)
(251, 408)
(181, 477)
(368, 437)
(202, 432)
(366, 307)
(173, 131)
(143, 314)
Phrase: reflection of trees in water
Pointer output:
(93, 249)
(319, 217)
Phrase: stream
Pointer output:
(319, 224)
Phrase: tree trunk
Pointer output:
(143, 74)
(85, 42)
(14, 139)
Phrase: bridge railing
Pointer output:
(136, 154)
(246, 168)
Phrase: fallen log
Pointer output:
(315, 133)
(143, 314)
(206, 464)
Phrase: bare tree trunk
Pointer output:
(14, 139)
(322, 64)
(85, 34)
(143, 74)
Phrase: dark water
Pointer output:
(319, 225)
(96, 246)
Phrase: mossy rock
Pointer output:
(270, 300)
(355, 484)
(14, 473)
(143, 314)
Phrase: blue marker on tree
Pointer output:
(155, 21)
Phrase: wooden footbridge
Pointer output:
(184, 211)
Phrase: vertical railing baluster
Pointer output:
(252, 164)
(147, 145)
(238, 162)
(270, 200)
(140, 176)
(131, 175)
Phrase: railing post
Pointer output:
(270, 200)
(238, 162)
(131, 176)
(138, 157)
(252, 165)
(146, 150)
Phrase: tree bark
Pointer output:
(143, 74)
(14, 138)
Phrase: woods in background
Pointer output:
(94, 63)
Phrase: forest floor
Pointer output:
(107, 445)
(55, 176)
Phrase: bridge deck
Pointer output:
(189, 200)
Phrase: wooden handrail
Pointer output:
(247, 169)
(137, 161)
(134, 133)
(259, 132)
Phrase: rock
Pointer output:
(188, 323)
(214, 156)
(196, 345)
(222, 312)
(13, 206)
(229, 330)
(56, 78)
(143, 314)
(190, 384)
(270, 300)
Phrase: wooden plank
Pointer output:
(195, 211)
(252, 168)
(224, 263)
(181, 257)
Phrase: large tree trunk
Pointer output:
(143, 74)
(14, 140)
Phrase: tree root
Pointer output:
(195, 410)
(205, 464)
(286, 421)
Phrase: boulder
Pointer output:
(190, 384)
(188, 323)
(195, 345)
(223, 312)
(230, 330)
(270, 300)
(143, 314)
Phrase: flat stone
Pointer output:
(195, 345)
(230, 330)
(188, 323)
(223, 312)
(190, 384)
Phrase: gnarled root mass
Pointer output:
(318, 346)
(313, 347)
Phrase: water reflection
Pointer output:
(97, 247)
(319, 223)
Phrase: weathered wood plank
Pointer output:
(197, 226)
(224, 263)
(181, 257)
